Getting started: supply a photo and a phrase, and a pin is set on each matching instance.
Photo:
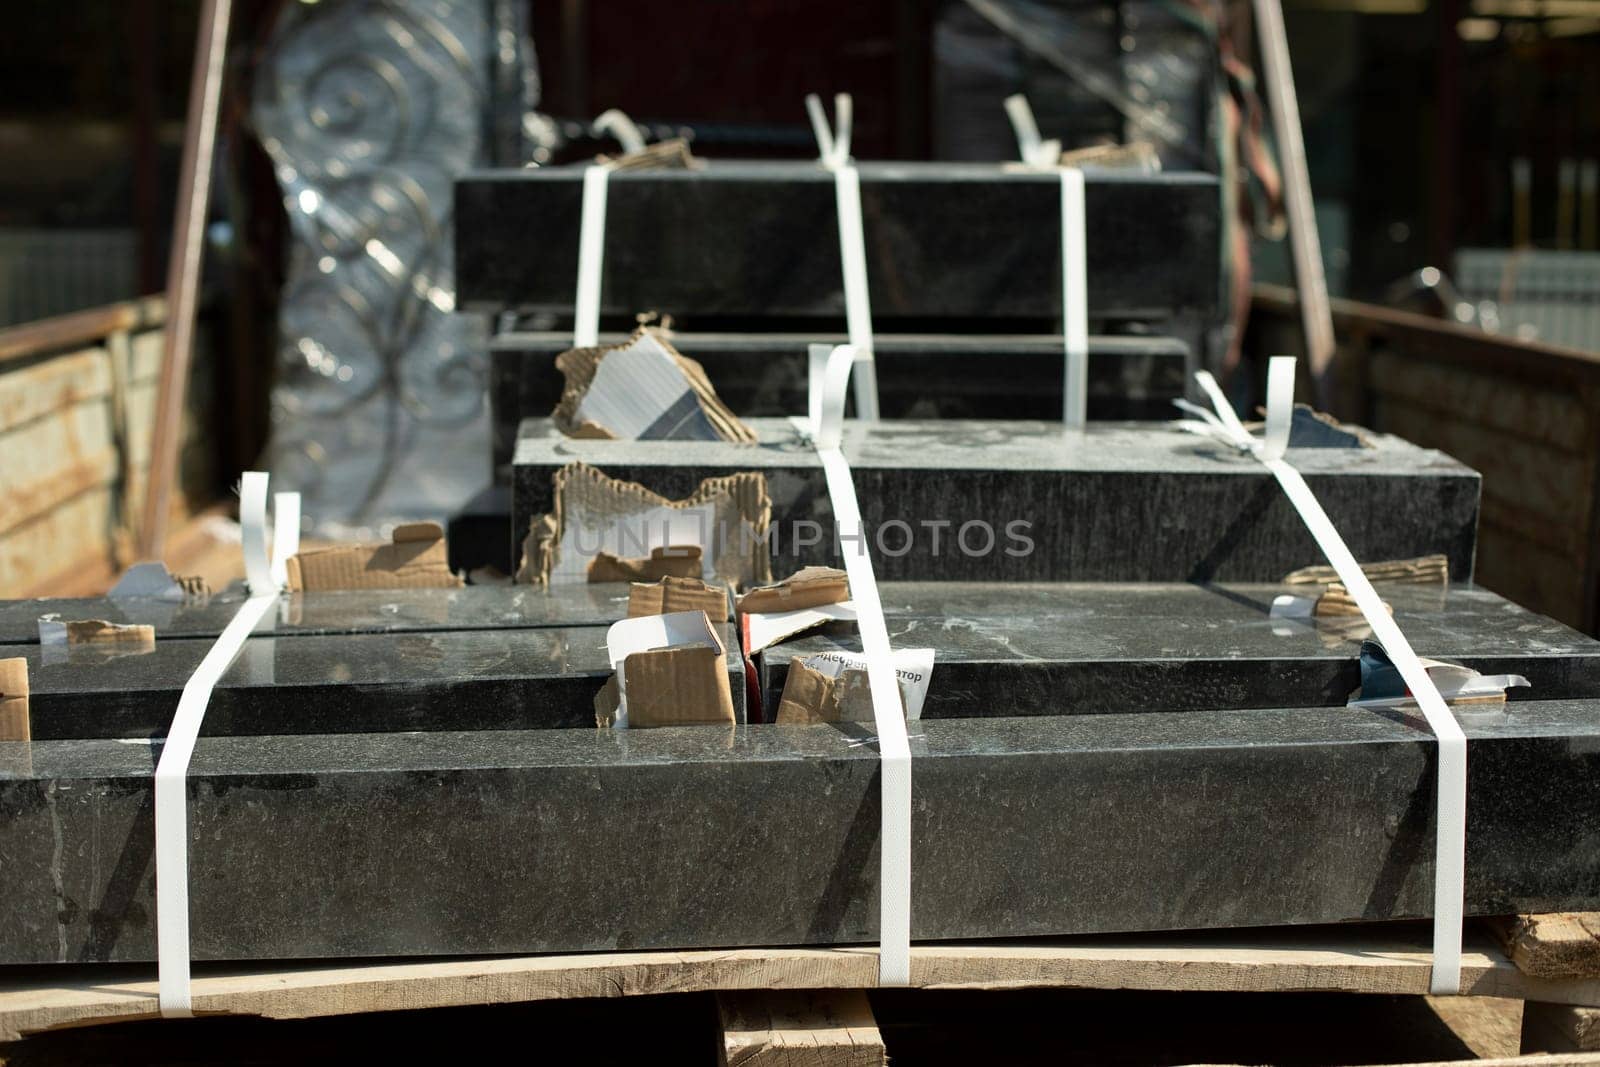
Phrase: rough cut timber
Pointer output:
(1060, 649)
(799, 1028)
(413, 844)
(919, 376)
(1114, 502)
(944, 241)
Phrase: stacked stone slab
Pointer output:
(964, 272)
(1120, 734)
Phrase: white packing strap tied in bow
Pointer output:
(826, 426)
(1046, 155)
(1450, 850)
(833, 146)
(265, 576)
(592, 228)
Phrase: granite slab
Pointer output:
(944, 241)
(341, 611)
(1112, 502)
(919, 376)
(1065, 649)
(564, 840)
(543, 678)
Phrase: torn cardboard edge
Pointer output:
(671, 154)
(415, 558)
(670, 595)
(615, 509)
(1383, 687)
(152, 581)
(578, 366)
(55, 631)
(808, 587)
(668, 561)
(1334, 603)
(14, 722)
(1422, 570)
(832, 687)
(671, 670)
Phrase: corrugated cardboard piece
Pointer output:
(416, 559)
(726, 516)
(14, 723)
(1424, 570)
(833, 687)
(809, 587)
(670, 561)
(132, 637)
(671, 671)
(671, 595)
(581, 365)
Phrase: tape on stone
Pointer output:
(833, 148)
(591, 256)
(172, 771)
(827, 394)
(1451, 821)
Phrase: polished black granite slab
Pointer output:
(343, 611)
(1064, 649)
(337, 684)
(943, 241)
(1113, 502)
(919, 376)
(567, 840)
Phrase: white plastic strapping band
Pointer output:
(591, 257)
(894, 747)
(833, 147)
(264, 577)
(1451, 821)
(1046, 155)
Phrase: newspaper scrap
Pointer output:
(642, 390)
(832, 686)
(726, 518)
(1383, 687)
(671, 670)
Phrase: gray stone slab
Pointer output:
(919, 376)
(1114, 502)
(565, 840)
(338, 684)
(353, 611)
(944, 241)
(1065, 649)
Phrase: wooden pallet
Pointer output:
(1386, 959)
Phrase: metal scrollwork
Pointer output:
(369, 109)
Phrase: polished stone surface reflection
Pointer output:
(531, 841)
(337, 684)
(1065, 649)
(1114, 502)
(943, 241)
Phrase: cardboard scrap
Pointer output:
(14, 723)
(671, 154)
(672, 594)
(833, 687)
(1423, 570)
(671, 671)
(415, 559)
(726, 517)
(808, 587)
(152, 581)
(668, 561)
(642, 389)
(1383, 687)
(131, 636)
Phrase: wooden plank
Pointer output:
(80, 328)
(1560, 1028)
(1524, 571)
(53, 460)
(1557, 945)
(787, 1028)
(72, 535)
(1553, 416)
(39, 389)
(1355, 960)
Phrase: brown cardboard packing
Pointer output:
(677, 594)
(672, 561)
(809, 587)
(14, 723)
(416, 559)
